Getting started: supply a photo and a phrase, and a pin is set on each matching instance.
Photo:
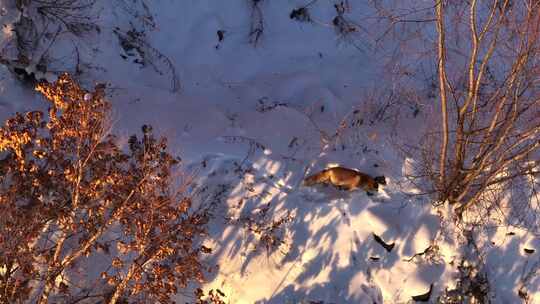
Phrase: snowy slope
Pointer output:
(253, 120)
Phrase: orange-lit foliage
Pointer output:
(69, 195)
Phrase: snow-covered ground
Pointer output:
(253, 119)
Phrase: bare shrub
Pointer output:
(41, 25)
(484, 156)
(73, 203)
(256, 27)
(472, 286)
(139, 10)
(48, 29)
(72, 15)
(347, 29)
(134, 43)
(268, 229)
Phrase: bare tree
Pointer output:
(489, 105)
(478, 60)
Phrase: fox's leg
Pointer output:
(368, 191)
(346, 187)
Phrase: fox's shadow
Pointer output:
(326, 193)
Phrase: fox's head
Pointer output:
(380, 180)
(374, 183)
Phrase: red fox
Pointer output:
(344, 178)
